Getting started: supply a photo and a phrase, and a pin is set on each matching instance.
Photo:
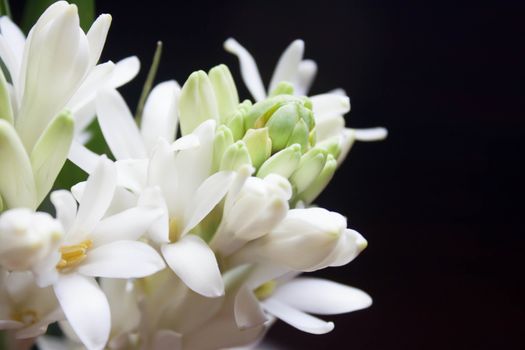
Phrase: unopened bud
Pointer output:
(259, 145)
(283, 163)
(235, 156)
(27, 237)
(225, 90)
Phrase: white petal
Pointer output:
(96, 37)
(118, 126)
(122, 259)
(163, 173)
(125, 70)
(14, 37)
(160, 114)
(370, 134)
(96, 196)
(247, 310)
(65, 207)
(83, 157)
(329, 126)
(212, 190)
(250, 73)
(305, 77)
(296, 318)
(130, 224)
(195, 264)
(322, 297)
(327, 105)
(86, 308)
(132, 174)
(288, 64)
(159, 230)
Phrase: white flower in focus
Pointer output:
(97, 246)
(305, 240)
(27, 238)
(328, 108)
(24, 307)
(294, 300)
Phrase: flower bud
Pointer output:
(283, 163)
(308, 170)
(283, 88)
(320, 182)
(223, 139)
(225, 90)
(27, 237)
(305, 240)
(235, 156)
(259, 145)
(236, 120)
(197, 102)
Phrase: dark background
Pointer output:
(439, 200)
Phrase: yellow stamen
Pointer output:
(27, 317)
(73, 254)
(265, 290)
(174, 234)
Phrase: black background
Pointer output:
(440, 200)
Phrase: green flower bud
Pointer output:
(225, 91)
(299, 135)
(310, 166)
(197, 102)
(17, 186)
(259, 145)
(281, 125)
(236, 120)
(321, 181)
(223, 139)
(283, 88)
(6, 110)
(331, 145)
(50, 152)
(235, 156)
(283, 163)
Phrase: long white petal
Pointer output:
(195, 264)
(65, 207)
(14, 38)
(96, 197)
(83, 157)
(132, 174)
(250, 73)
(370, 134)
(305, 77)
(125, 70)
(327, 105)
(160, 114)
(322, 297)
(212, 190)
(288, 64)
(130, 224)
(159, 230)
(122, 259)
(117, 125)
(296, 318)
(96, 37)
(247, 310)
(86, 308)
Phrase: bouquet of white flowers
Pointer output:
(192, 234)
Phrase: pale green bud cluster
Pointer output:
(275, 135)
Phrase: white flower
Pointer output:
(24, 307)
(95, 246)
(253, 207)
(27, 237)
(294, 300)
(328, 108)
(306, 240)
(55, 68)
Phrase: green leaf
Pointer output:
(5, 10)
(34, 8)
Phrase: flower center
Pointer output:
(27, 317)
(174, 234)
(265, 290)
(72, 255)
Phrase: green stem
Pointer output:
(5, 9)
(149, 82)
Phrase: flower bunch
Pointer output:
(194, 233)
